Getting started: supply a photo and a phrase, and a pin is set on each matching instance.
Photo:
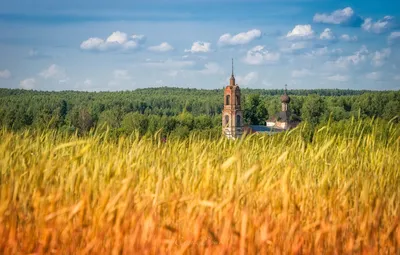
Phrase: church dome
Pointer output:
(285, 98)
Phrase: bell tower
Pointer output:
(232, 115)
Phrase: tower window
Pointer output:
(228, 100)
(238, 121)
(238, 100)
(226, 120)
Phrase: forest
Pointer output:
(179, 111)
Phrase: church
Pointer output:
(233, 126)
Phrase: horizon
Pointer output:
(200, 89)
(125, 46)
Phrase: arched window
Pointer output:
(238, 121)
(238, 100)
(226, 122)
(228, 100)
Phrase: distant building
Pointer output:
(232, 115)
(282, 120)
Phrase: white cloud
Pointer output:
(246, 80)
(357, 58)
(295, 47)
(198, 46)
(301, 32)
(117, 37)
(140, 39)
(345, 16)
(380, 26)
(5, 74)
(258, 55)
(53, 72)
(301, 73)
(380, 57)
(327, 35)
(339, 78)
(212, 68)
(93, 43)
(373, 76)
(28, 83)
(163, 47)
(318, 52)
(394, 37)
(239, 39)
(348, 38)
(117, 40)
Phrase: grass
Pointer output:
(276, 194)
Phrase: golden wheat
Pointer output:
(276, 194)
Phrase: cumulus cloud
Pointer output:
(200, 47)
(116, 41)
(345, 16)
(28, 83)
(348, 38)
(380, 26)
(5, 74)
(117, 37)
(301, 32)
(53, 72)
(373, 76)
(140, 39)
(259, 55)
(163, 47)
(212, 68)
(357, 58)
(380, 57)
(339, 78)
(394, 37)
(239, 39)
(301, 73)
(327, 34)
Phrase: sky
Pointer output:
(90, 45)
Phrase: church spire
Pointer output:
(232, 66)
(232, 81)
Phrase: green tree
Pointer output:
(255, 111)
(135, 122)
(109, 118)
(82, 120)
(313, 110)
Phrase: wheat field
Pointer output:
(65, 194)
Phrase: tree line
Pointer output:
(178, 111)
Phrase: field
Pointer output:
(93, 194)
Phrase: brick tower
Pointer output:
(232, 115)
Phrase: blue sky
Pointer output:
(123, 45)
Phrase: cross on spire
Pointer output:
(232, 80)
(232, 67)
(285, 88)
